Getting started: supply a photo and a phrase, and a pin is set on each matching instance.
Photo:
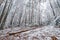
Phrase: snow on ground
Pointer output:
(44, 33)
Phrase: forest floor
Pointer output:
(34, 33)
